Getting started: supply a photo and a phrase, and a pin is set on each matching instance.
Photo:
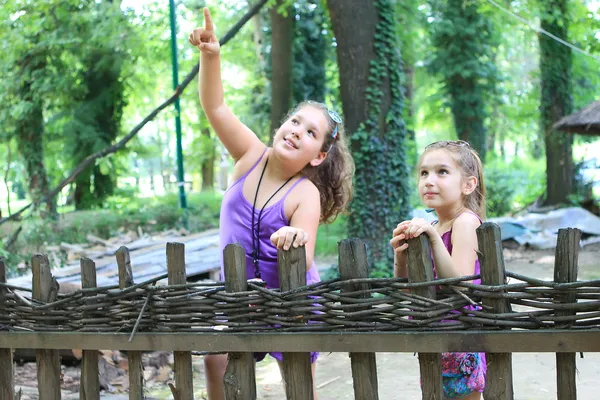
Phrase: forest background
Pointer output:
(78, 76)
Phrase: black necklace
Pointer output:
(256, 229)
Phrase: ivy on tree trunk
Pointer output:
(371, 84)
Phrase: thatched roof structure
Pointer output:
(585, 121)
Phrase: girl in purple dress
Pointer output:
(279, 194)
(451, 183)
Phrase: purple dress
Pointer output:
(462, 372)
(235, 227)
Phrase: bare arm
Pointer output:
(237, 138)
(464, 248)
(304, 224)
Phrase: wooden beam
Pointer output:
(45, 289)
(182, 359)
(534, 341)
(239, 382)
(499, 379)
(420, 269)
(565, 270)
(297, 374)
(7, 387)
(89, 389)
(353, 264)
(134, 358)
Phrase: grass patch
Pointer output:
(328, 237)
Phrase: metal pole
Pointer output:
(180, 174)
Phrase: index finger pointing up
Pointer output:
(208, 24)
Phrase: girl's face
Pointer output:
(441, 183)
(301, 137)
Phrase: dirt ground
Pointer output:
(534, 374)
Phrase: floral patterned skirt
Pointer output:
(463, 373)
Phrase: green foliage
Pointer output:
(310, 52)
(514, 186)
(465, 47)
(381, 182)
(328, 237)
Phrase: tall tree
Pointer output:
(310, 52)
(370, 67)
(556, 100)
(96, 118)
(463, 38)
(282, 36)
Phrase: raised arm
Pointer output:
(237, 138)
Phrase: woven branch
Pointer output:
(206, 307)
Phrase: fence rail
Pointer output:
(353, 314)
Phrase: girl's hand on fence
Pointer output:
(205, 38)
(288, 236)
(398, 241)
(416, 226)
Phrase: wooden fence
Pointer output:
(353, 314)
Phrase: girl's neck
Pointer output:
(446, 216)
(277, 170)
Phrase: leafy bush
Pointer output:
(511, 187)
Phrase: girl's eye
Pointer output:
(294, 121)
(311, 133)
(423, 173)
(443, 172)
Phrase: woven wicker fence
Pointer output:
(354, 314)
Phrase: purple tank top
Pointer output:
(447, 240)
(235, 227)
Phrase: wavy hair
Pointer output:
(333, 177)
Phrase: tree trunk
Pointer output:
(281, 60)
(30, 132)
(370, 84)
(208, 165)
(556, 101)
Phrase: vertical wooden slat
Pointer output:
(89, 389)
(182, 359)
(239, 381)
(134, 358)
(420, 269)
(7, 386)
(499, 379)
(353, 264)
(565, 270)
(45, 289)
(291, 265)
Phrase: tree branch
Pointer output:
(121, 143)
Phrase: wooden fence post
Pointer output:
(499, 382)
(134, 358)
(239, 382)
(565, 270)
(297, 374)
(45, 289)
(353, 264)
(420, 269)
(89, 389)
(182, 359)
(7, 387)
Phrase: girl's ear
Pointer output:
(469, 185)
(318, 159)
